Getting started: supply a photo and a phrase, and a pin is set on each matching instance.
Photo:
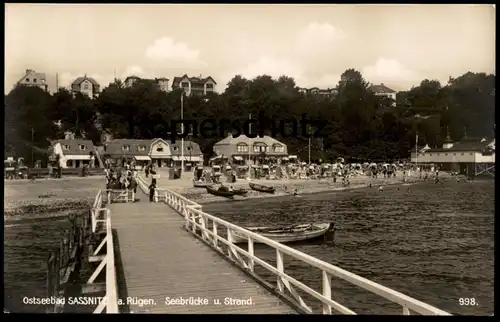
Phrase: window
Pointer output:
(86, 86)
(185, 84)
(65, 147)
(34, 80)
(188, 148)
(242, 148)
(279, 148)
(175, 148)
(27, 79)
(446, 154)
(159, 149)
(462, 153)
(141, 148)
(83, 147)
(471, 153)
(126, 147)
(430, 154)
(255, 148)
(210, 86)
(69, 163)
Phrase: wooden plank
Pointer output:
(160, 259)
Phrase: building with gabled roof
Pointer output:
(472, 156)
(382, 90)
(161, 82)
(74, 153)
(242, 148)
(86, 85)
(160, 152)
(195, 85)
(32, 78)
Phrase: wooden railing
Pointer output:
(144, 186)
(101, 221)
(198, 221)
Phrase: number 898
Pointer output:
(467, 301)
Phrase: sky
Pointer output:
(397, 45)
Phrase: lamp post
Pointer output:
(182, 131)
(32, 148)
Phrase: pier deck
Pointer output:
(160, 259)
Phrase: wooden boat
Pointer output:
(294, 233)
(240, 192)
(221, 193)
(199, 184)
(261, 188)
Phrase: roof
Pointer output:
(115, 147)
(190, 148)
(420, 148)
(80, 80)
(198, 80)
(28, 71)
(146, 79)
(244, 139)
(74, 146)
(471, 144)
(381, 89)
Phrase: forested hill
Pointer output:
(359, 123)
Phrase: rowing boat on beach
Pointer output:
(261, 188)
(288, 234)
(219, 192)
(199, 184)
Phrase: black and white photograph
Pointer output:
(249, 159)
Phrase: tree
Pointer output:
(359, 126)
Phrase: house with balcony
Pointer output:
(195, 85)
(161, 82)
(87, 86)
(384, 91)
(32, 78)
(74, 153)
(250, 150)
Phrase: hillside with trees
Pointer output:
(360, 124)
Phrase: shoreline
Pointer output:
(184, 186)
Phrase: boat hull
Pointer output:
(318, 231)
(215, 192)
(261, 188)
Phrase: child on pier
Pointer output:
(152, 188)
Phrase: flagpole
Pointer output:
(249, 145)
(182, 131)
(416, 149)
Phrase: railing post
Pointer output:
(215, 237)
(251, 252)
(327, 291)
(406, 311)
(281, 269)
(230, 243)
(192, 215)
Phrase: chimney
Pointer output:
(28, 71)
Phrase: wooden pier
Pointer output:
(161, 260)
(168, 256)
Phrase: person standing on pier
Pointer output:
(152, 188)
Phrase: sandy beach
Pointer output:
(48, 197)
(184, 186)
